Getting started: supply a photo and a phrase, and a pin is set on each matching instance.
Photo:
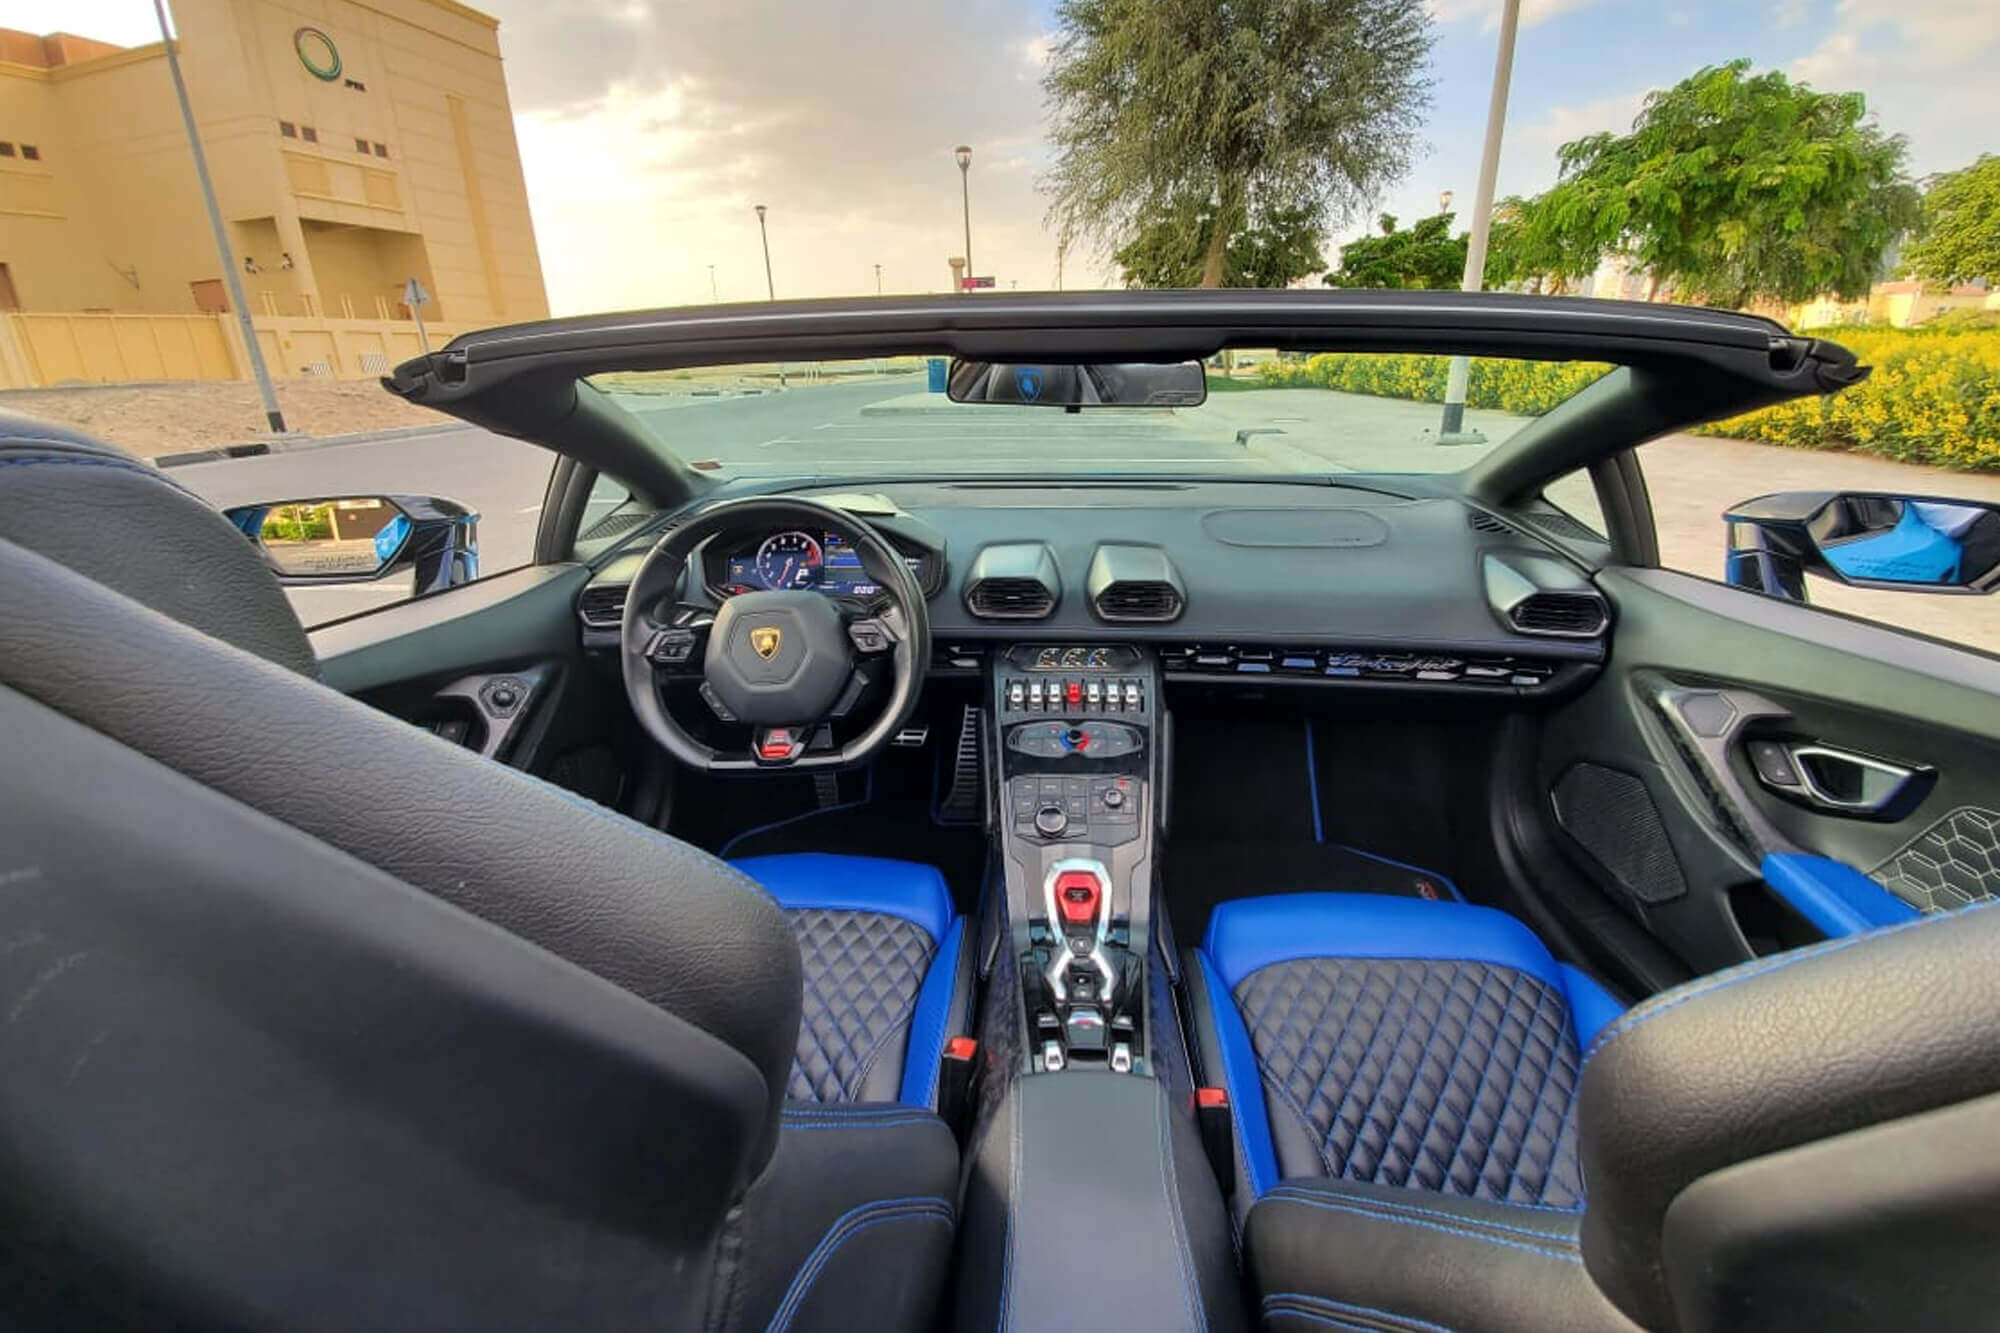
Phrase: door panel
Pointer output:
(1651, 777)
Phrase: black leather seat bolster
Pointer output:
(1777, 1053)
(850, 1224)
(250, 1081)
(128, 525)
(1324, 1254)
(652, 915)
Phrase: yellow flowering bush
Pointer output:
(1934, 396)
(1529, 388)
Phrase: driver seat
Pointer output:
(315, 1021)
(887, 979)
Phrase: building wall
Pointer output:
(112, 216)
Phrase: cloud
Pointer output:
(1488, 11)
(1927, 70)
(647, 132)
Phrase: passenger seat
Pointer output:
(1419, 1095)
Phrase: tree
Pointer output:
(1960, 234)
(1164, 110)
(1277, 253)
(1427, 255)
(1732, 187)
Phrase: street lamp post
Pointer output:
(234, 284)
(770, 288)
(878, 279)
(1452, 429)
(964, 155)
(714, 292)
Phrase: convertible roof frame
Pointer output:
(1680, 365)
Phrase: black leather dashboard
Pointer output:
(1262, 563)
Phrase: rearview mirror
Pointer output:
(361, 538)
(1121, 384)
(1909, 543)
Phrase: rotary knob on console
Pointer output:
(1050, 821)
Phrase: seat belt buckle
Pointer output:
(956, 1067)
(1211, 1114)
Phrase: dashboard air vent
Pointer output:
(1481, 521)
(601, 607)
(1134, 584)
(1009, 599)
(1138, 600)
(1013, 581)
(1567, 614)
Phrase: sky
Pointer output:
(649, 129)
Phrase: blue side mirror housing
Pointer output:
(1908, 543)
(343, 539)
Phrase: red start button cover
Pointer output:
(1078, 897)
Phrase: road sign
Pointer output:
(970, 283)
(414, 294)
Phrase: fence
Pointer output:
(44, 350)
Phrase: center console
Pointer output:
(1078, 730)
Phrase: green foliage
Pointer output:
(1934, 398)
(1276, 253)
(1730, 187)
(1527, 388)
(1961, 226)
(1249, 109)
(1425, 256)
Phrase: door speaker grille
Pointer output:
(1612, 816)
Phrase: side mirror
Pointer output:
(1910, 543)
(362, 538)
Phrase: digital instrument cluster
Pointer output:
(793, 561)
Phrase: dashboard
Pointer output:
(1265, 582)
(796, 560)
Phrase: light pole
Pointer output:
(272, 415)
(878, 279)
(1452, 429)
(1062, 248)
(964, 155)
(714, 292)
(770, 288)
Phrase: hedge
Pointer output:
(1934, 396)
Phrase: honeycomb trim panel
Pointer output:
(1953, 863)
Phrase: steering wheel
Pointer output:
(783, 661)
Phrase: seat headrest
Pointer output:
(130, 527)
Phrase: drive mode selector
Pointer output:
(1050, 821)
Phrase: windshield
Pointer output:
(1267, 413)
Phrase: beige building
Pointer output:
(354, 144)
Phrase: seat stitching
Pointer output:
(1410, 1016)
(1417, 1076)
(85, 460)
(1300, 1195)
(1191, 1285)
(1335, 1308)
(902, 1024)
(844, 1228)
(1757, 968)
(866, 1124)
(1340, 1207)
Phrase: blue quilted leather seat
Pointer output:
(1397, 1041)
(885, 984)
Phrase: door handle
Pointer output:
(1833, 779)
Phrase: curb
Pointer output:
(298, 442)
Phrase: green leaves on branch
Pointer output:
(1246, 111)
(1427, 256)
(1961, 226)
(1277, 253)
(1731, 187)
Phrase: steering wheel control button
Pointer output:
(672, 647)
(715, 704)
(868, 636)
